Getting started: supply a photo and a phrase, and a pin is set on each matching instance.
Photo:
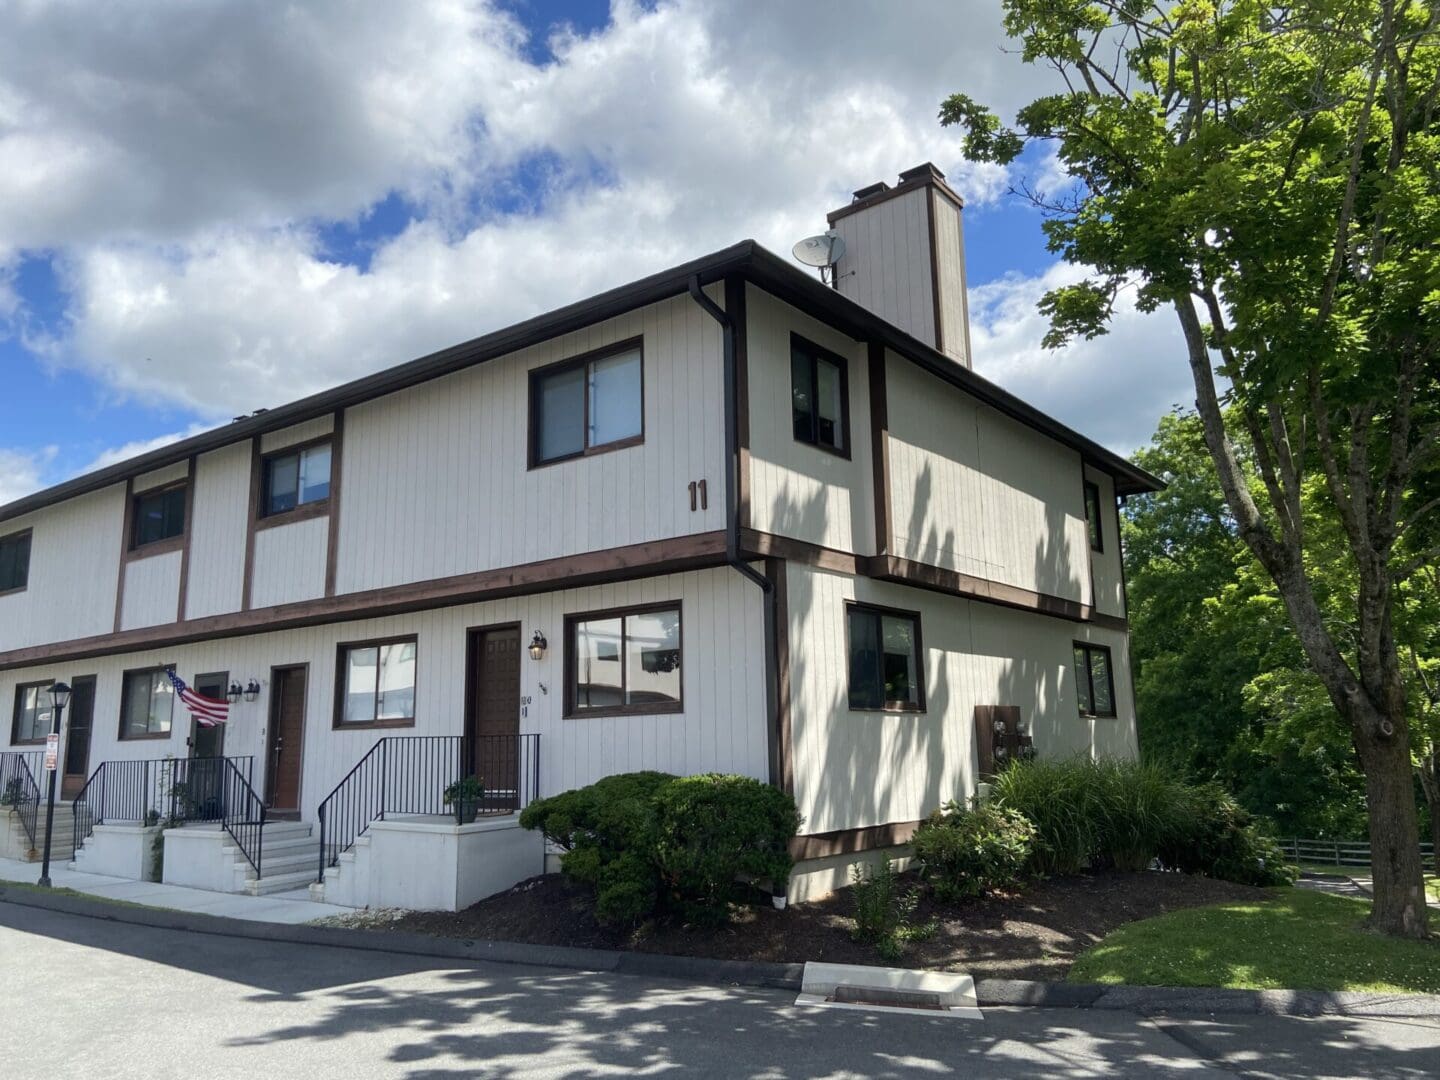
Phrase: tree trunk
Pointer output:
(1435, 837)
(1395, 867)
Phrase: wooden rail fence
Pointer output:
(1339, 852)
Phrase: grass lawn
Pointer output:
(1295, 939)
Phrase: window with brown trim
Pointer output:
(295, 477)
(1095, 677)
(819, 396)
(158, 515)
(15, 561)
(624, 662)
(1092, 516)
(147, 704)
(376, 683)
(886, 659)
(31, 722)
(588, 404)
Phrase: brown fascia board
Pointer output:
(748, 258)
(910, 180)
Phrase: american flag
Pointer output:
(207, 711)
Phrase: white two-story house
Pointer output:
(726, 518)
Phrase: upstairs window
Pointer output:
(885, 669)
(32, 713)
(295, 478)
(819, 397)
(158, 515)
(592, 403)
(14, 561)
(147, 704)
(622, 662)
(377, 684)
(1096, 680)
(1092, 516)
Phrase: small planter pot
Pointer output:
(778, 901)
(469, 808)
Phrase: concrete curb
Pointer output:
(991, 993)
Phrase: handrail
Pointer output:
(171, 789)
(84, 816)
(408, 774)
(20, 791)
(242, 813)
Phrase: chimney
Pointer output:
(905, 257)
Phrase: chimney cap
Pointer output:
(925, 171)
(872, 189)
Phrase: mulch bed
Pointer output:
(1034, 935)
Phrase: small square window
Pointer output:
(295, 479)
(158, 515)
(31, 722)
(819, 397)
(624, 662)
(147, 704)
(885, 660)
(1092, 516)
(15, 561)
(377, 684)
(586, 405)
(1095, 680)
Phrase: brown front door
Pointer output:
(77, 736)
(495, 712)
(287, 739)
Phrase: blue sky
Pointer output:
(170, 266)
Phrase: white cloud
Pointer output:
(1113, 388)
(117, 454)
(22, 471)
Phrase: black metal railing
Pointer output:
(408, 775)
(172, 790)
(19, 790)
(241, 811)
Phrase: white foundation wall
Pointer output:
(854, 769)
(722, 728)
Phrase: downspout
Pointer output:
(732, 521)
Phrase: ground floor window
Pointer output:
(624, 661)
(32, 713)
(885, 664)
(1096, 678)
(377, 683)
(147, 701)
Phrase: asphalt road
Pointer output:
(85, 998)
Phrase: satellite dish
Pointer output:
(822, 251)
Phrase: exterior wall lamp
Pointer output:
(252, 690)
(232, 695)
(538, 645)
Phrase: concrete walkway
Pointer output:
(292, 907)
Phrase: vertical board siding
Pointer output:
(722, 728)
(886, 265)
(290, 563)
(799, 490)
(950, 274)
(152, 590)
(218, 521)
(310, 429)
(160, 477)
(974, 491)
(74, 562)
(855, 769)
(436, 477)
(1105, 565)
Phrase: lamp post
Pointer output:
(59, 698)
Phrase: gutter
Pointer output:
(732, 521)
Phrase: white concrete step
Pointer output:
(286, 863)
(280, 882)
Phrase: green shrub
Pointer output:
(964, 853)
(1142, 808)
(1057, 797)
(883, 910)
(650, 843)
(1221, 839)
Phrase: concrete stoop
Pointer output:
(15, 842)
(207, 857)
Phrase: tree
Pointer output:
(1268, 173)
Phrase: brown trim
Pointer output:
(301, 511)
(768, 545)
(148, 669)
(20, 689)
(910, 180)
(169, 543)
(127, 523)
(156, 547)
(637, 344)
(256, 458)
(1088, 647)
(184, 588)
(337, 721)
(29, 554)
(472, 635)
(569, 708)
(880, 447)
(775, 570)
(736, 310)
(934, 271)
(697, 551)
(270, 712)
(850, 841)
(1091, 486)
(852, 606)
(332, 541)
(818, 353)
